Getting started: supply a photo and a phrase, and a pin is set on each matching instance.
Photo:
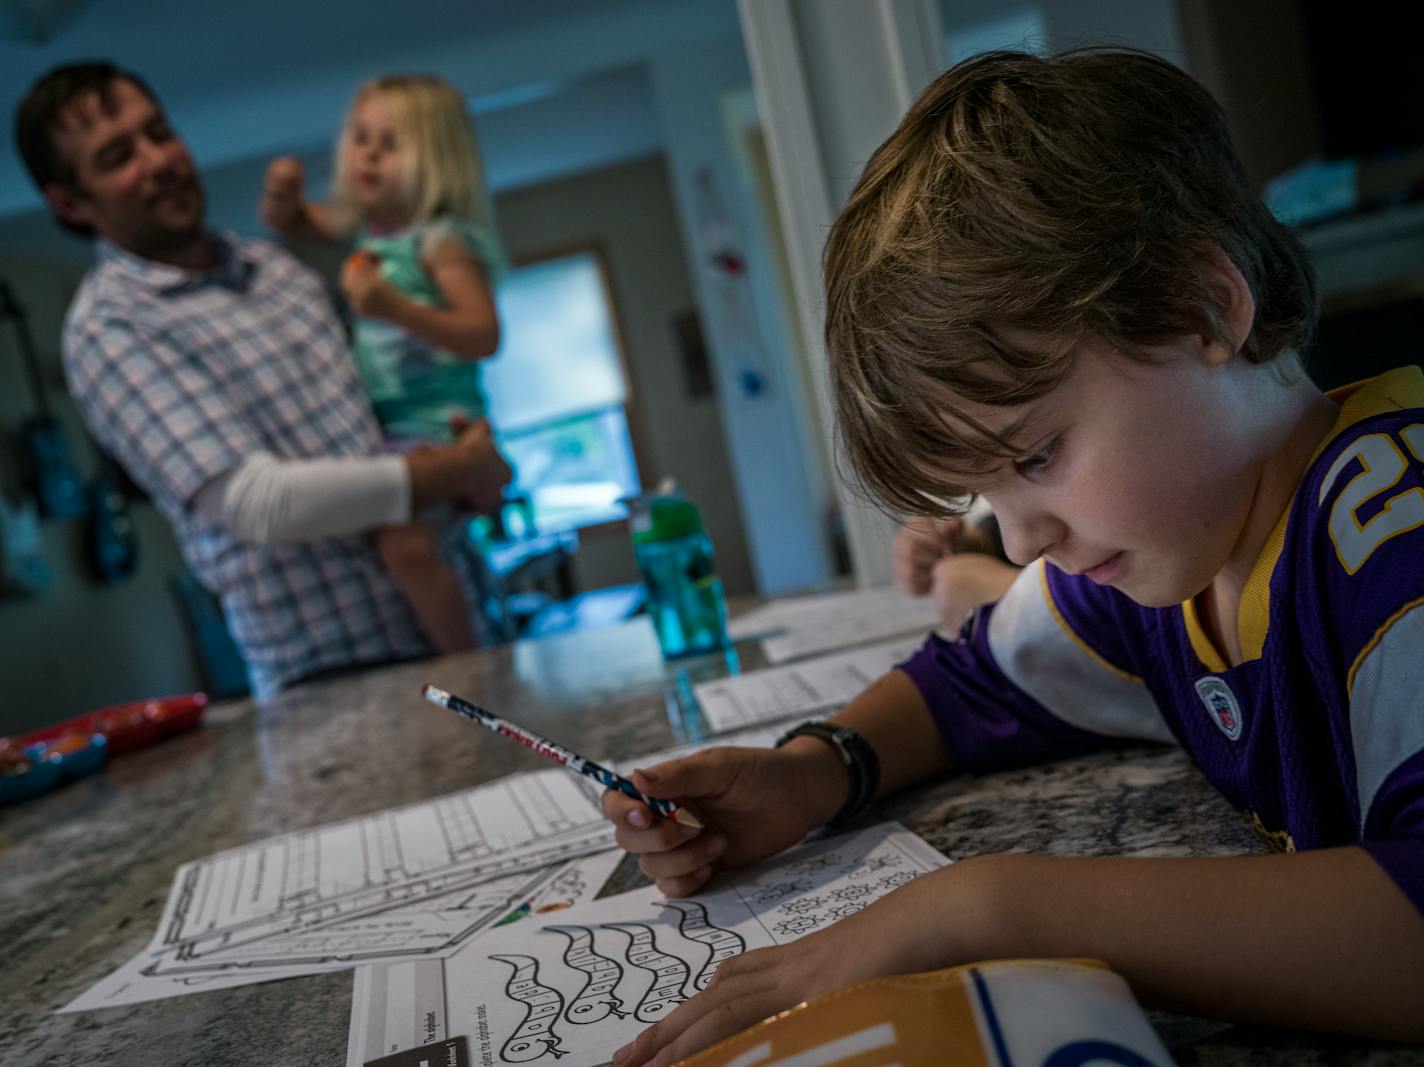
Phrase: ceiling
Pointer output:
(556, 84)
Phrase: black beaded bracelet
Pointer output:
(861, 762)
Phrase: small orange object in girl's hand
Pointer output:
(362, 259)
(366, 290)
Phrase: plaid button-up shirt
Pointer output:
(182, 376)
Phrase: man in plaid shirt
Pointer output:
(216, 370)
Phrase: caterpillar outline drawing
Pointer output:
(595, 1000)
(694, 925)
(534, 1037)
(669, 972)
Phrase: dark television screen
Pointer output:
(1368, 70)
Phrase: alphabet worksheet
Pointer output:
(576, 985)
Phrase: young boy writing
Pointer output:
(1053, 286)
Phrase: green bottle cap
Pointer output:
(662, 518)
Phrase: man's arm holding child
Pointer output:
(269, 500)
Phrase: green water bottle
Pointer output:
(674, 554)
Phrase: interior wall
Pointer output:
(627, 212)
(80, 644)
(1253, 58)
(787, 501)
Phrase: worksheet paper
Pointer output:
(575, 986)
(820, 685)
(774, 617)
(806, 626)
(407, 882)
(416, 932)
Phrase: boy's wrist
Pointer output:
(952, 916)
(823, 781)
(856, 755)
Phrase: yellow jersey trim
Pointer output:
(1253, 614)
(1210, 658)
(1376, 639)
(1394, 390)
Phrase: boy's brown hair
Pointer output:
(1069, 197)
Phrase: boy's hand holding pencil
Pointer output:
(755, 802)
(749, 802)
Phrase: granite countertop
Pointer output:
(84, 871)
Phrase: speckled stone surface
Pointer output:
(84, 871)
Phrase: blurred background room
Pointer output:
(662, 173)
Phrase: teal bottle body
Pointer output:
(685, 599)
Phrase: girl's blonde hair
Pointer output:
(443, 175)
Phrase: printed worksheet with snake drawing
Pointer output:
(574, 986)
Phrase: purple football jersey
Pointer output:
(1318, 735)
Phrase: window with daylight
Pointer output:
(558, 392)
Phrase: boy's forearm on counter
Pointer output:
(1320, 940)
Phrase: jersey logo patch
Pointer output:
(1221, 705)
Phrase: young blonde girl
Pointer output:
(409, 192)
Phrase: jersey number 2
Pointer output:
(1384, 464)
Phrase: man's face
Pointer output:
(134, 182)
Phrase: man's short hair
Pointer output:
(38, 115)
(1069, 196)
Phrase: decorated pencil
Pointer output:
(572, 760)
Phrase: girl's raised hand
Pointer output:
(281, 205)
